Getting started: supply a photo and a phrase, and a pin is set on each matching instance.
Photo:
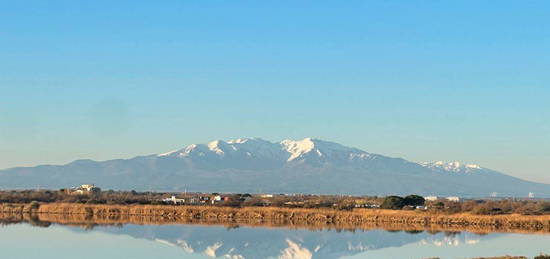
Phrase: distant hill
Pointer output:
(256, 165)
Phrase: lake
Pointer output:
(23, 240)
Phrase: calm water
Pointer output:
(193, 241)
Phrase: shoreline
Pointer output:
(357, 219)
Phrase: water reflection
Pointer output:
(248, 242)
(216, 241)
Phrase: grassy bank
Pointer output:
(73, 213)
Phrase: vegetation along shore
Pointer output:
(67, 213)
(88, 203)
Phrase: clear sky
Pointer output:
(422, 80)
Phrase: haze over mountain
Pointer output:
(256, 165)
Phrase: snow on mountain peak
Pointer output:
(217, 146)
(238, 141)
(167, 153)
(297, 148)
(186, 151)
(286, 150)
(455, 166)
(323, 150)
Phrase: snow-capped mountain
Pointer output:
(285, 152)
(455, 167)
(290, 166)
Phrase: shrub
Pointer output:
(414, 200)
(393, 203)
(544, 207)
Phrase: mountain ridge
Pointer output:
(291, 166)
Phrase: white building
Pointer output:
(174, 200)
(216, 199)
(87, 187)
(431, 198)
(453, 199)
(84, 189)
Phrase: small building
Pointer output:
(431, 198)
(173, 200)
(84, 189)
(216, 199)
(453, 199)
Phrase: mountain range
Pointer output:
(257, 166)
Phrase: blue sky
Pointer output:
(422, 80)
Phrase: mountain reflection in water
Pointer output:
(283, 243)
(216, 241)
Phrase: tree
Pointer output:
(414, 200)
(393, 203)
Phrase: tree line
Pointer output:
(339, 202)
